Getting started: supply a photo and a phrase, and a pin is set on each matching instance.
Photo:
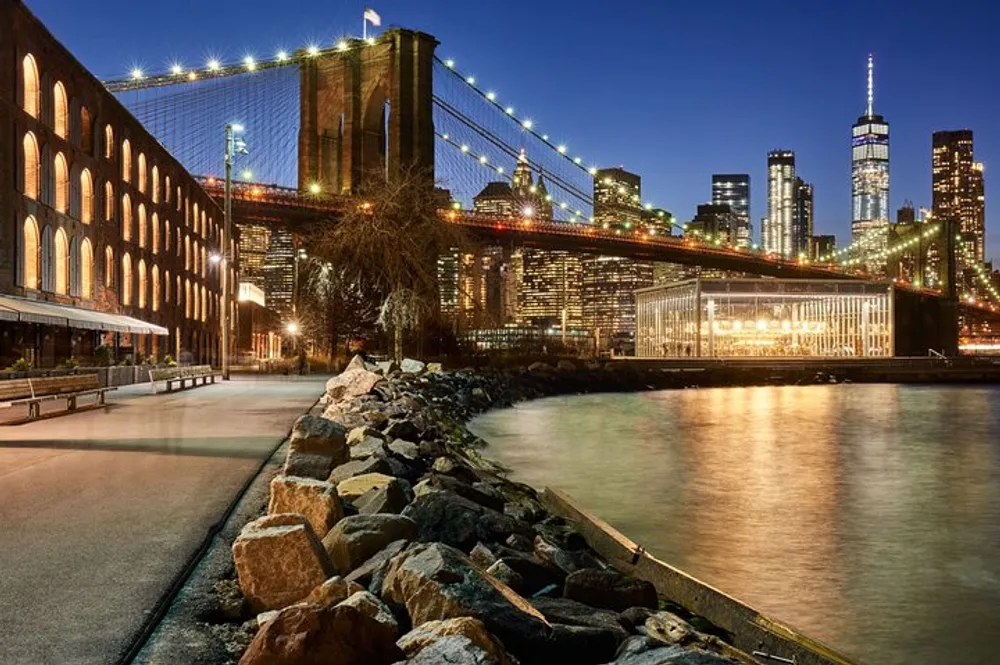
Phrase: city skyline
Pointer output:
(813, 109)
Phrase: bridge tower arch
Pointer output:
(367, 110)
(933, 256)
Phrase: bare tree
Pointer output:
(334, 306)
(391, 240)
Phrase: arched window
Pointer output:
(178, 292)
(204, 305)
(126, 161)
(155, 228)
(166, 286)
(62, 263)
(109, 202)
(142, 172)
(86, 197)
(48, 260)
(204, 261)
(179, 199)
(109, 142)
(142, 225)
(166, 235)
(32, 88)
(109, 267)
(187, 252)
(86, 269)
(142, 284)
(187, 298)
(195, 217)
(126, 217)
(156, 185)
(166, 189)
(196, 305)
(74, 267)
(31, 254)
(156, 288)
(62, 184)
(32, 167)
(195, 258)
(86, 130)
(126, 279)
(60, 110)
(204, 224)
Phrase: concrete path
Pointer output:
(99, 510)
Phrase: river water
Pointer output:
(867, 516)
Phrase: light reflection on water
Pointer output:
(867, 516)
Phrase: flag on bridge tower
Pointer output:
(371, 16)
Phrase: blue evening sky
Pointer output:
(674, 90)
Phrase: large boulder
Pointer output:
(434, 581)
(357, 362)
(358, 467)
(351, 383)
(449, 518)
(373, 607)
(412, 366)
(473, 634)
(642, 650)
(364, 573)
(356, 486)
(315, 446)
(609, 589)
(572, 613)
(279, 560)
(503, 572)
(358, 537)
(405, 449)
(488, 499)
(670, 629)
(308, 634)
(332, 592)
(565, 561)
(316, 500)
(390, 498)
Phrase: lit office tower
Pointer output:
(733, 189)
(609, 282)
(803, 220)
(253, 243)
(958, 195)
(870, 176)
(778, 232)
(278, 269)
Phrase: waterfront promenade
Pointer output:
(102, 509)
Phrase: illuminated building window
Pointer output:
(86, 197)
(62, 183)
(126, 161)
(32, 88)
(30, 254)
(126, 279)
(32, 166)
(60, 110)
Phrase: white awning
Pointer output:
(47, 313)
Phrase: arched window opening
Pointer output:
(126, 217)
(195, 222)
(142, 172)
(204, 261)
(166, 235)
(32, 167)
(62, 184)
(74, 267)
(109, 142)
(187, 298)
(32, 88)
(204, 305)
(62, 263)
(166, 286)
(166, 189)
(48, 259)
(155, 228)
(86, 270)
(156, 185)
(195, 258)
(187, 253)
(179, 199)
(196, 305)
(204, 224)
(142, 225)
(142, 284)
(109, 267)
(109, 202)
(31, 254)
(60, 110)
(126, 161)
(86, 197)
(86, 130)
(126, 279)
(155, 296)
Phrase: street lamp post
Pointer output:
(233, 146)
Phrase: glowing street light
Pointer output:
(312, 50)
(314, 188)
(292, 328)
(250, 63)
(136, 73)
(282, 56)
(214, 65)
(176, 69)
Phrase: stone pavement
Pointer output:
(100, 510)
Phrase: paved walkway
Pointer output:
(99, 510)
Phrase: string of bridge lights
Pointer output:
(980, 273)
(894, 250)
(858, 244)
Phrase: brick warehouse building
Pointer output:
(104, 237)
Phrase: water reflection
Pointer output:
(866, 515)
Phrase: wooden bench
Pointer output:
(17, 392)
(181, 375)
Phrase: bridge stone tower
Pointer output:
(367, 110)
(938, 249)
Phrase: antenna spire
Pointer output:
(871, 86)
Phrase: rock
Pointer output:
(356, 538)
(537, 367)
(609, 589)
(355, 486)
(518, 542)
(332, 592)
(501, 571)
(434, 581)
(572, 613)
(424, 487)
(360, 434)
(363, 573)
(371, 606)
(535, 575)
(472, 630)
(405, 449)
(561, 532)
(231, 603)
(387, 367)
(390, 498)
(492, 501)
(316, 635)
(433, 368)
(580, 645)
(358, 467)
(352, 383)
(642, 650)
(307, 465)
(318, 435)
(402, 428)
(316, 500)
(357, 362)
(453, 650)
(567, 561)
(449, 518)
(279, 561)
(444, 465)
(566, 366)
(669, 628)
(433, 449)
(482, 556)
(634, 618)
(368, 448)
(412, 366)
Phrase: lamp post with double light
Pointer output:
(234, 146)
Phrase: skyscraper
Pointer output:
(870, 175)
(278, 270)
(778, 234)
(803, 221)
(609, 282)
(733, 189)
(958, 195)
